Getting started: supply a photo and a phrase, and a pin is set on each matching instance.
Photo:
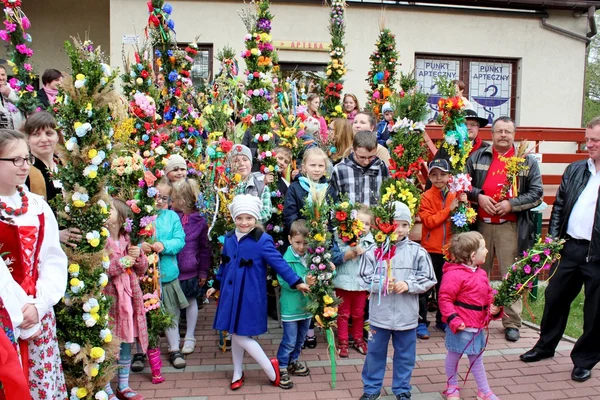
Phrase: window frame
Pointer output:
(464, 72)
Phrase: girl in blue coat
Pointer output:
(242, 309)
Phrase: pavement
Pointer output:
(209, 371)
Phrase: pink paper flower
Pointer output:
(27, 67)
(527, 269)
(25, 22)
(10, 27)
(4, 35)
(535, 258)
(29, 88)
(14, 83)
(23, 49)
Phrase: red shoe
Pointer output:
(275, 365)
(343, 348)
(237, 384)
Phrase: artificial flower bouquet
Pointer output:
(408, 149)
(464, 214)
(520, 277)
(349, 227)
(322, 301)
(515, 167)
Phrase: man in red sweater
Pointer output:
(504, 220)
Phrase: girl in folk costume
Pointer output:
(242, 309)
(31, 249)
(13, 382)
(127, 264)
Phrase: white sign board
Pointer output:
(130, 39)
(427, 71)
(490, 88)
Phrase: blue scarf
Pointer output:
(305, 184)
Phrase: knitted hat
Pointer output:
(402, 212)
(240, 150)
(311, 126)
(386, 107)
(245, 204)
(175, 161)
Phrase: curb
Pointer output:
(536, 327)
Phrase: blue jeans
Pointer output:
(405, 355)
(294, 334)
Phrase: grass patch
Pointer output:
(575, 322)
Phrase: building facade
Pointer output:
(511, 63)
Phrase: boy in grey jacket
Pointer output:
(396, 313)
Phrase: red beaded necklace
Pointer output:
(20, 211)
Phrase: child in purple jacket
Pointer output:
(194, 259)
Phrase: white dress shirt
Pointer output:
(581, 220)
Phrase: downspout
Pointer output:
(587, 39)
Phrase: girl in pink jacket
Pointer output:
(465, 301)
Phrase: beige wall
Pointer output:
(551, 66)
(54, 21)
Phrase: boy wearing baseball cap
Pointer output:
(437, 204)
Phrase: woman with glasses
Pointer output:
(40, 129)
(32, 251)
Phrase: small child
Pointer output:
(308, 136)
(397, 313)
(170, 239)
(437, 204)
(242, 309)
(348, 288)
(294, 316)
(255, 184)
(194, 258)
(127, 264)
(176, 168)
(466, 304)
(314, 165)
(284, 159)
(384, 127)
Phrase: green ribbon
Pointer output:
(331, 347)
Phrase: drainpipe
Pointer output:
(587, 39)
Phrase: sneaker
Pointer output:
(177, 360)
(311, 342)
(403, 396)
(284, 379)
(441, 326)
(343, 348)
(422, 331)
(298, 369)
(370, 396)
(360, 346)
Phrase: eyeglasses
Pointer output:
(504, 132)
(20, 161)
(164, 199)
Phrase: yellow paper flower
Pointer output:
(92, 153)
(80, 77)
(380, 236)
(74, 282)
(104, 232)
(94, 242)
(74, 268)
(97, 352)
(139, 81)
(77, 125)
(319, 238)
(108, 338)
(327, 299)
(81, 392)
(78, 203)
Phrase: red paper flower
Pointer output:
(341, 215)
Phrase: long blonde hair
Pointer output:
(342, 137)
(187, 191)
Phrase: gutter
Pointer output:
(587, 38)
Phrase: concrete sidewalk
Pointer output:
(209, 371)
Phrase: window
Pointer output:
(203, 64)
(490, 83)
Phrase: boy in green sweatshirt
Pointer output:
(294, 316)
